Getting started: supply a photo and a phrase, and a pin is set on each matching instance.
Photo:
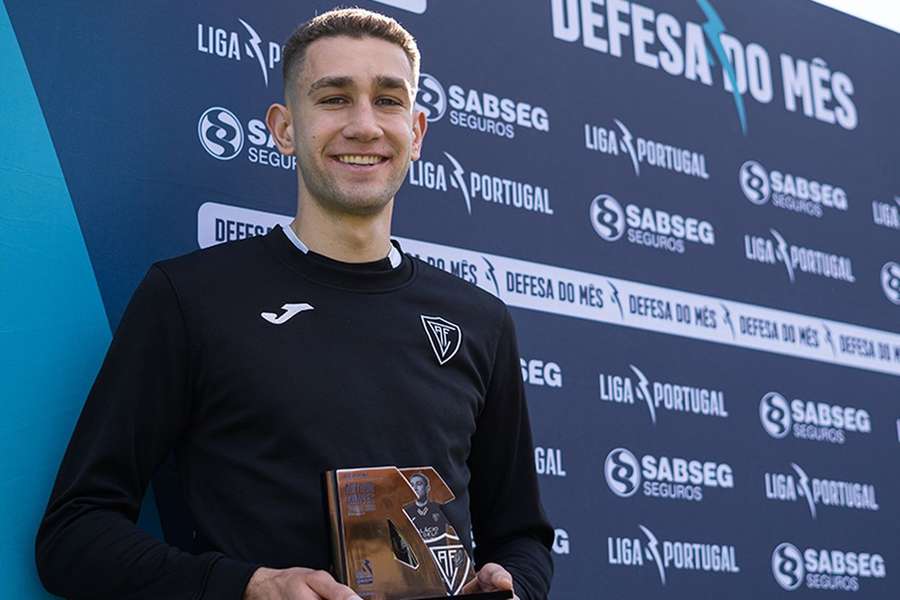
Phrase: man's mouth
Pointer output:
(360, 159)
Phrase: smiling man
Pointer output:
(263, 363)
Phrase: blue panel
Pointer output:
(53, 328)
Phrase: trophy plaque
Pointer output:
(391, 539)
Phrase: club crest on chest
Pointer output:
(445, 337)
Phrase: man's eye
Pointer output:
(388, 101)
(334, 100)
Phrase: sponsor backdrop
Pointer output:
(691, 207)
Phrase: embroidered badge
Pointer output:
(445, 337)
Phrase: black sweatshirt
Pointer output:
(217, 359)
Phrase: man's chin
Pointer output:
(361, 203)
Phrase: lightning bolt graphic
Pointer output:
(652, 545)
(784, 254)
(829, 339)
(713, 28)
(727, 319)
(491, 276)
(616, 300)
(804, 488)
(253, 47)
(459, 180)
(626, 141)
(644, 390)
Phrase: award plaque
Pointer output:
(391, 539)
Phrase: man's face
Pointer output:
(354, 128)
(420, 487)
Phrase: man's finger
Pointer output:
(472, 587)
(322, 583)
(494, 577)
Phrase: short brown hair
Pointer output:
(352, 22)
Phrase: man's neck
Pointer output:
(344, 237)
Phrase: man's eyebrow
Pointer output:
(345, 81)
(339, 81)
(390, 82)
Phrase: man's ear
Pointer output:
(420, 124)
(281, 124)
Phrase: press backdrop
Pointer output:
(690, 206)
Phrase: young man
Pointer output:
(425, 514)
(265, 362)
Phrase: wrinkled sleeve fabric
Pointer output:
(508, 520)
(88, 545)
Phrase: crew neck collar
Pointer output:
(394, 257)
(386, 274)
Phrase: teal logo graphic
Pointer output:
(713, 28)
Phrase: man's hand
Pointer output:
(296, 584)
(491, 578)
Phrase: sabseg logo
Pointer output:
(477, 110)
(776, 249)
(222, 136)
(792, 487)
(541, 373)
(654, 228)
(643, 151)
(755, 182)
(789, 192)
(887, 215)
(661, 395)
(244, 44)
(622, 472)
(560, 541)
(890, 281)
(221, 133)
(472, 186)
(664, 477)
(431, 98)
(787, 566)
(669, 555)
(824, 569)
(808, 420)
(607, 218)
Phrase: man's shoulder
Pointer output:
(228, 258)
(456, 289)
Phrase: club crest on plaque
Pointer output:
(390, 537)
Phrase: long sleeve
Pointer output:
(507, 517)
(88, 545)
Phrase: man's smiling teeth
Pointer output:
(359, 159)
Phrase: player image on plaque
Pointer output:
(390, 537)
(438, 535)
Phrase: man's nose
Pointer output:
(363, 124)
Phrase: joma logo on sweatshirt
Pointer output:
(289, 311)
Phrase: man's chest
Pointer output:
(343, 366)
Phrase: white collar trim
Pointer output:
(394, 255)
